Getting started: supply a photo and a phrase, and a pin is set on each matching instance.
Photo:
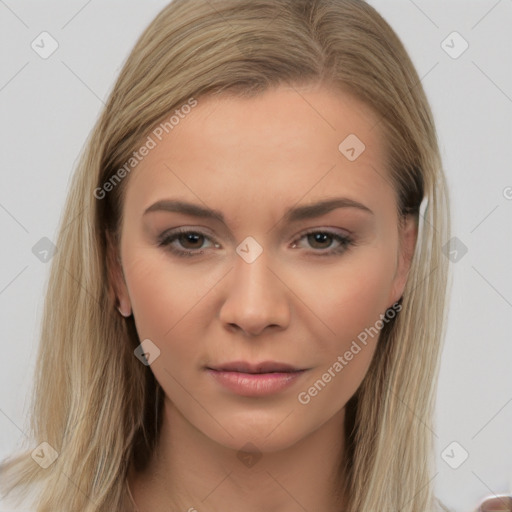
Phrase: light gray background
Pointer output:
(48, 106)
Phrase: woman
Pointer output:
(250, 296)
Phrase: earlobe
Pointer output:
(117, 290)
(408, 238)
(124, 310)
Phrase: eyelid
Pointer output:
(325, 229)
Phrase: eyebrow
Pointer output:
(293, 214)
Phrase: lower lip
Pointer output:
(256, 384)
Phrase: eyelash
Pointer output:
(166, 239)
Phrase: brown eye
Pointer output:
(325, 243)
(186, 242)
(191, 240)
(320, 240)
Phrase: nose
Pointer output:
(255, 299)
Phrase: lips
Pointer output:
(257, 368)
(255, 379)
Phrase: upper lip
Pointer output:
(263, 367)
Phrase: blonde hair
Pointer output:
(93, 401)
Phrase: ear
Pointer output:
(118, 292)
(408, 235)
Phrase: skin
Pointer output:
(252, 159)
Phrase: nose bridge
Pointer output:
(251, 279)
(255, 298)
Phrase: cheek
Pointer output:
(164, 294)
(350, 296)
(351, 304)
(169, 302)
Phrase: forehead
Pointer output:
(281, 145)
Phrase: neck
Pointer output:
(190, 472)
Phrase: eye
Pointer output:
(188, 243)
(191, 243)
(322, 241)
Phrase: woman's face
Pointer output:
(251, 236)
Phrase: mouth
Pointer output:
(257, 368)
(255, 380)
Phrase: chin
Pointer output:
(259, 431)
(249, 441)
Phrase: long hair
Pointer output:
(93, 401)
